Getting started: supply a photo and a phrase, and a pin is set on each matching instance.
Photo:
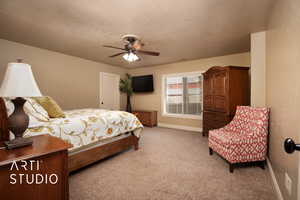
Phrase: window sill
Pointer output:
(183, 116)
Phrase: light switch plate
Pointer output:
(288, 183)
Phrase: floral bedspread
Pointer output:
(85, 126)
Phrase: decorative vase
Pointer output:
(128, 106)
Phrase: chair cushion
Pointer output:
(237, 148)
(220, 140)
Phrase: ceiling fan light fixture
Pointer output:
(130, 57)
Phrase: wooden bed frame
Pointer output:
(85, 157)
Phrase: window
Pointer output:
(182, 95)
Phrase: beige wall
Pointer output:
(283, 88)
(258, 69)
(153, 101)
(73, 82)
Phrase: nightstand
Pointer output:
(35, 172)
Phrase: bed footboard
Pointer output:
(86, 157)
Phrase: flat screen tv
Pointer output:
(142, 83)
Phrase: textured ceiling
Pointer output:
(180, 30)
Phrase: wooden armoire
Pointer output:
(224, 88)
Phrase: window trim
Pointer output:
(184, 116)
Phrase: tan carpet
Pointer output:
(170, 165)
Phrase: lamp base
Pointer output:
(18, 123)
(18, 142)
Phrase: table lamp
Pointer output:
(18, 82)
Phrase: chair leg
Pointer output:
(262, 164)
(210, 151)
(231, 167)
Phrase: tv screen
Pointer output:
(142, 83)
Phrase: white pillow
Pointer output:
(36, 110)
(37, 114)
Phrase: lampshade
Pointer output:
(19, 82)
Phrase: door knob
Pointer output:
(290, 146)
(102, 102)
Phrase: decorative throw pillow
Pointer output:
(53, 109)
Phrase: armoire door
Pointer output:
(220, 90)
(208, 97)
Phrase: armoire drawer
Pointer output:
(215, 124)
(214, 116)
(214, 120)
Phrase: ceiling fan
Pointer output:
(132, 48)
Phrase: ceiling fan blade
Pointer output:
(150, 53)
(117, 54)
(113, 47)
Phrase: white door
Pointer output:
(109, 91)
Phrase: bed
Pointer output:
(93, 133)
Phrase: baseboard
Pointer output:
(275, 183)
(186, 128)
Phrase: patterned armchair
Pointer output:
(244, 139)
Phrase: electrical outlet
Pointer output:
(288, 183)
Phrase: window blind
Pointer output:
(183, 94)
